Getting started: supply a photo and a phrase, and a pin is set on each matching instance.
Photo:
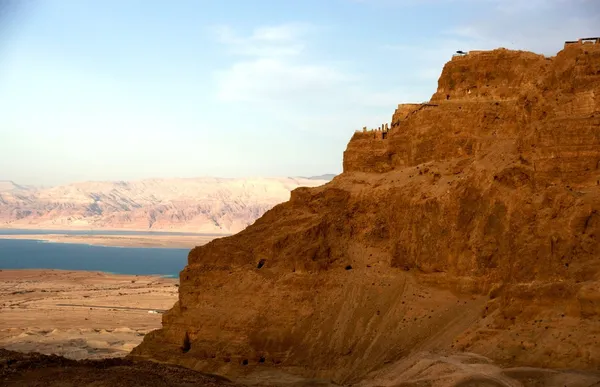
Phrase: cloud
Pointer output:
(269, 78)
(267, 41)
(278, 71)
(517, 6)
(540, 26)
(274, 66)
(499, 4)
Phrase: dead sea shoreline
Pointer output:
(27, 272)
(130, 240)
(131, 231)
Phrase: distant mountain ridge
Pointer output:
(204, 205)
(8, 185)
(326, 176)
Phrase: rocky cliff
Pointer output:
(209, 205)
(474, 226)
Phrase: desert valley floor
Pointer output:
(81, 315)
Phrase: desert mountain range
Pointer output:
(204, 205)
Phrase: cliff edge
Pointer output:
(474, 226)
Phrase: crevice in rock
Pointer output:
(187, 345)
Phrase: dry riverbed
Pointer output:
(80, 314)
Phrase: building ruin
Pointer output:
(380, 132)
(594, 40)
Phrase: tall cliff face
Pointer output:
(474, 226)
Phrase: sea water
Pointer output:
(14, 231)
(35, 254)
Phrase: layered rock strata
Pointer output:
(474, 226)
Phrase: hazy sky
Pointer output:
(128, 89)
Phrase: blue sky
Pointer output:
(131, 89)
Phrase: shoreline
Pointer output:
(33, 271)
(130, 240)
(101, 230)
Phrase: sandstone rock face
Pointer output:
(474, 226)
(209, 205)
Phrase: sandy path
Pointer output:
(80, 314)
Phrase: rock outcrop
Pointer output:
(473, 227)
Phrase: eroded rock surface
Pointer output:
(473, 227)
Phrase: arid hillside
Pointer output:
(203, 205)
(10, 186)
(471, 229)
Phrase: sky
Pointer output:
(133, 89)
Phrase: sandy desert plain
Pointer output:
(79, 314)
